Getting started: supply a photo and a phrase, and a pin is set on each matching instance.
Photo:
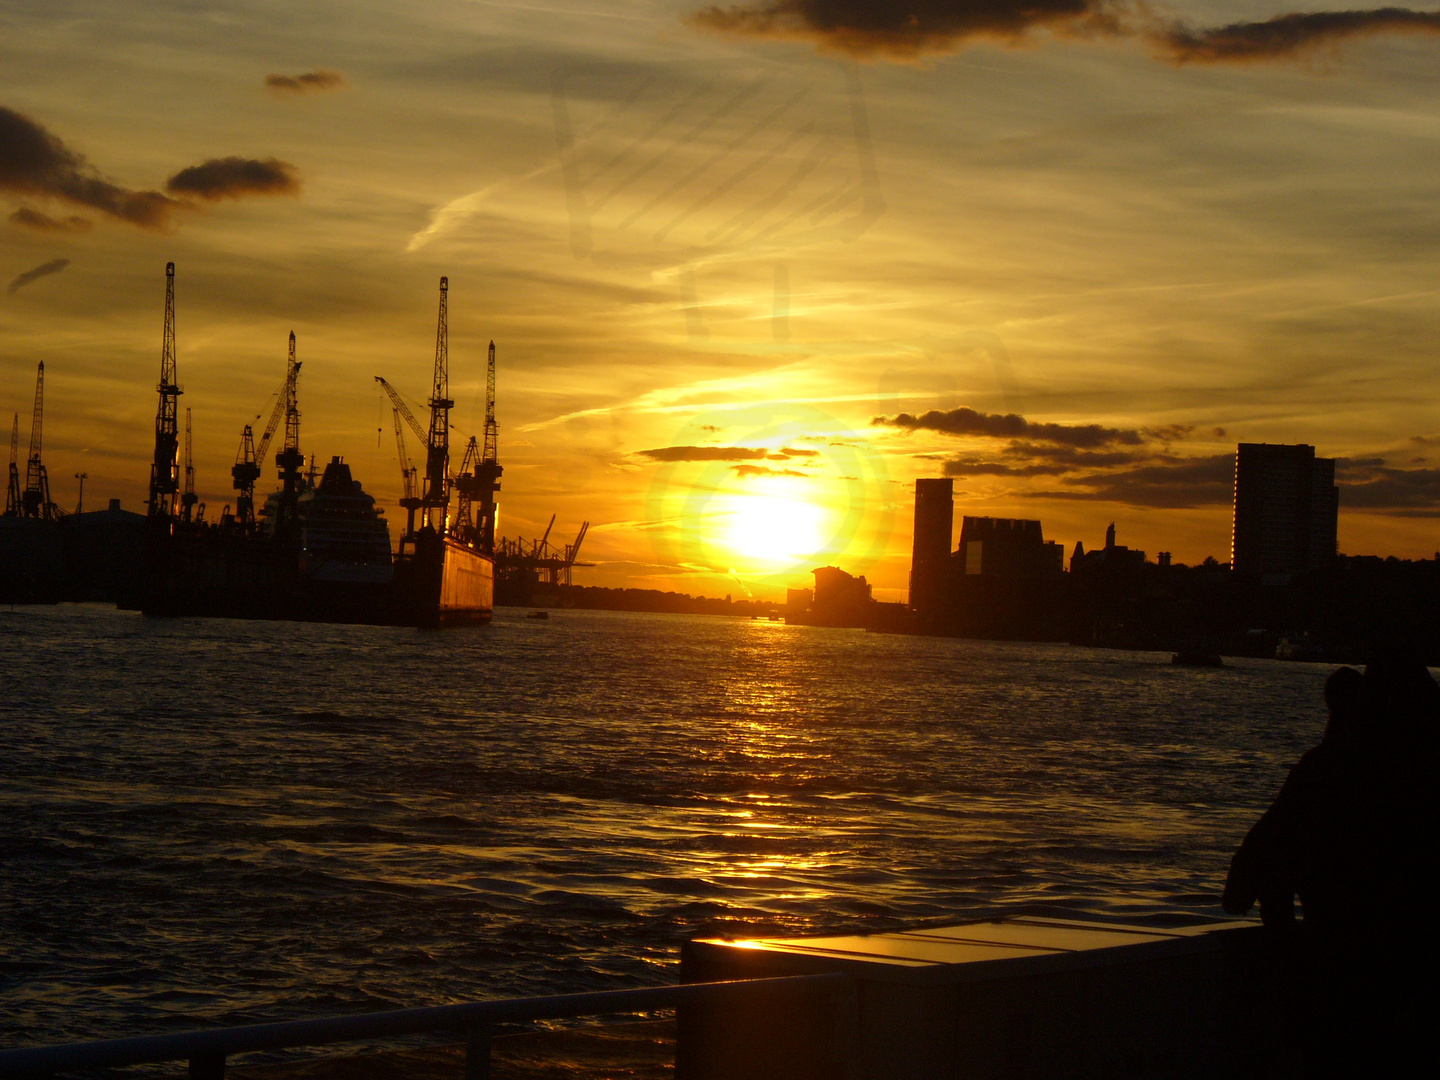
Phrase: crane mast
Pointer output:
(436, 499)
(12, 492)
(289, 460)
(488, 470)
(164, 472)
(35, 499)
(188, 499)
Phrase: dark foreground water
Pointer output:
(207, 821)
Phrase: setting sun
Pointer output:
(774, 525)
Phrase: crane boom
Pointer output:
(398, 403)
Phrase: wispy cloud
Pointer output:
(724, 453)
(308, 82)
(28, 218)
(43, 270)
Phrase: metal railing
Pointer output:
(207, 1050)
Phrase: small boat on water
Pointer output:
(538, 615)
(1197, 658)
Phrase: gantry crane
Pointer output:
(12, 492)
(164, 472)
(35, 499)
(188, 498)
(516, 559)
(247, 468)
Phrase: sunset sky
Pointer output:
(749, 271)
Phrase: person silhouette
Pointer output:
(1355, 834)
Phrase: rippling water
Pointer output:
(209, 821)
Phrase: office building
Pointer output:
(1286, 505)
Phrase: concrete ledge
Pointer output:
(1013, 998)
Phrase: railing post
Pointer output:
(207, 1067)
(477, 1052)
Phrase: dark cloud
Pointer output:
(764, 470)
(43, 270)
(906, 29)
(1033, 459)
(28, 218)
(1370, 484)
(1011, 426)
(234, 178)
(309, 82)
(1174, 485)
(37, 163)
(723, 453)
(1287, 36)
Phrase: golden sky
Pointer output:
(1069, 260)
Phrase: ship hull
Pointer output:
(251, 576)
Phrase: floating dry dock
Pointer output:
(1013, 998)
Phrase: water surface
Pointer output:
(213, 821)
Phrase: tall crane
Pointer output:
(164, 472)
(436, 499)
(462, 525)
(289, 460)
(488, 472)
(12, 493)
(35, 499)
(409, 500)
(247, 468)
(188, 498)
(80, 499)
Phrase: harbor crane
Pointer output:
(35, 499)
(80, 499)
(188, 498)
(164, 471)
(12, 492)
(408, 500)
(247, 468)
(289, 460)
(479, 476)
(435, 502)
(516, 559)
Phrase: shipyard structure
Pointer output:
(318, 549)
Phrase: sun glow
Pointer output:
(774, 525)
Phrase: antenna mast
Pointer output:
(437, 458)
(164, 473)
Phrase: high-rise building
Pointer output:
(930, 556)
(1007, 548)
(1286, 504)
